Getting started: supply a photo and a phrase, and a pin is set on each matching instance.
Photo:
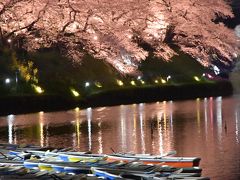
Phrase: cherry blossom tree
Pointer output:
(121, 33)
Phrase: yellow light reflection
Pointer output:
(100, 141)
(206, 115)
(41, 123)
(77, 134)
(198, 114)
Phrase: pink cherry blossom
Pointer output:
(115, 30)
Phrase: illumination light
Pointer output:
(75, 93)
(143, 82)
(119, 82)
(133, 83)
(156, 81)
(196, 78)
(98, 84)
(7, 81)
(139, 77)
(163, 81)
(169, 77)
(87, 84)
(9, 40)
(209, 76)
(38, 89)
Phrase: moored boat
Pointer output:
(163, 160)
(128, 174)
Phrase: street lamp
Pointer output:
(169, 77)
(87, 84)
(7, 80)
(10, 43)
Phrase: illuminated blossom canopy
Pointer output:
(121, 32)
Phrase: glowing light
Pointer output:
(209, 76)
(75, 93)
(7, 81)
(120, 83)
(10, 119)
(77, 109)
(143, 82)
(169, 77)
(41, 130)
(139, 77)
(38, 89)
(89, 119)
(87, 84)
(9, 40)
(163, 81)
(98, 84)
(156, 81)
(196, 78)
(133, 83)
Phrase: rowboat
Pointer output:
(12, 173)
(146, 159)
(83, 167)
(68, 157)
(116, 174)
(5, 162)
(62, 166)
(163, 160)
(116, 165)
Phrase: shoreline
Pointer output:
(35, 103)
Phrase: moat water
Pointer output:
(208, 128)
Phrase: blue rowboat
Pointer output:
(31, 164)
(82, 157)
(105, 175)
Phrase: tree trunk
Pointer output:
(1, 38)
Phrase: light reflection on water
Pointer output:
(207, 128)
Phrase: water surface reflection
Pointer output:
(208, 128)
